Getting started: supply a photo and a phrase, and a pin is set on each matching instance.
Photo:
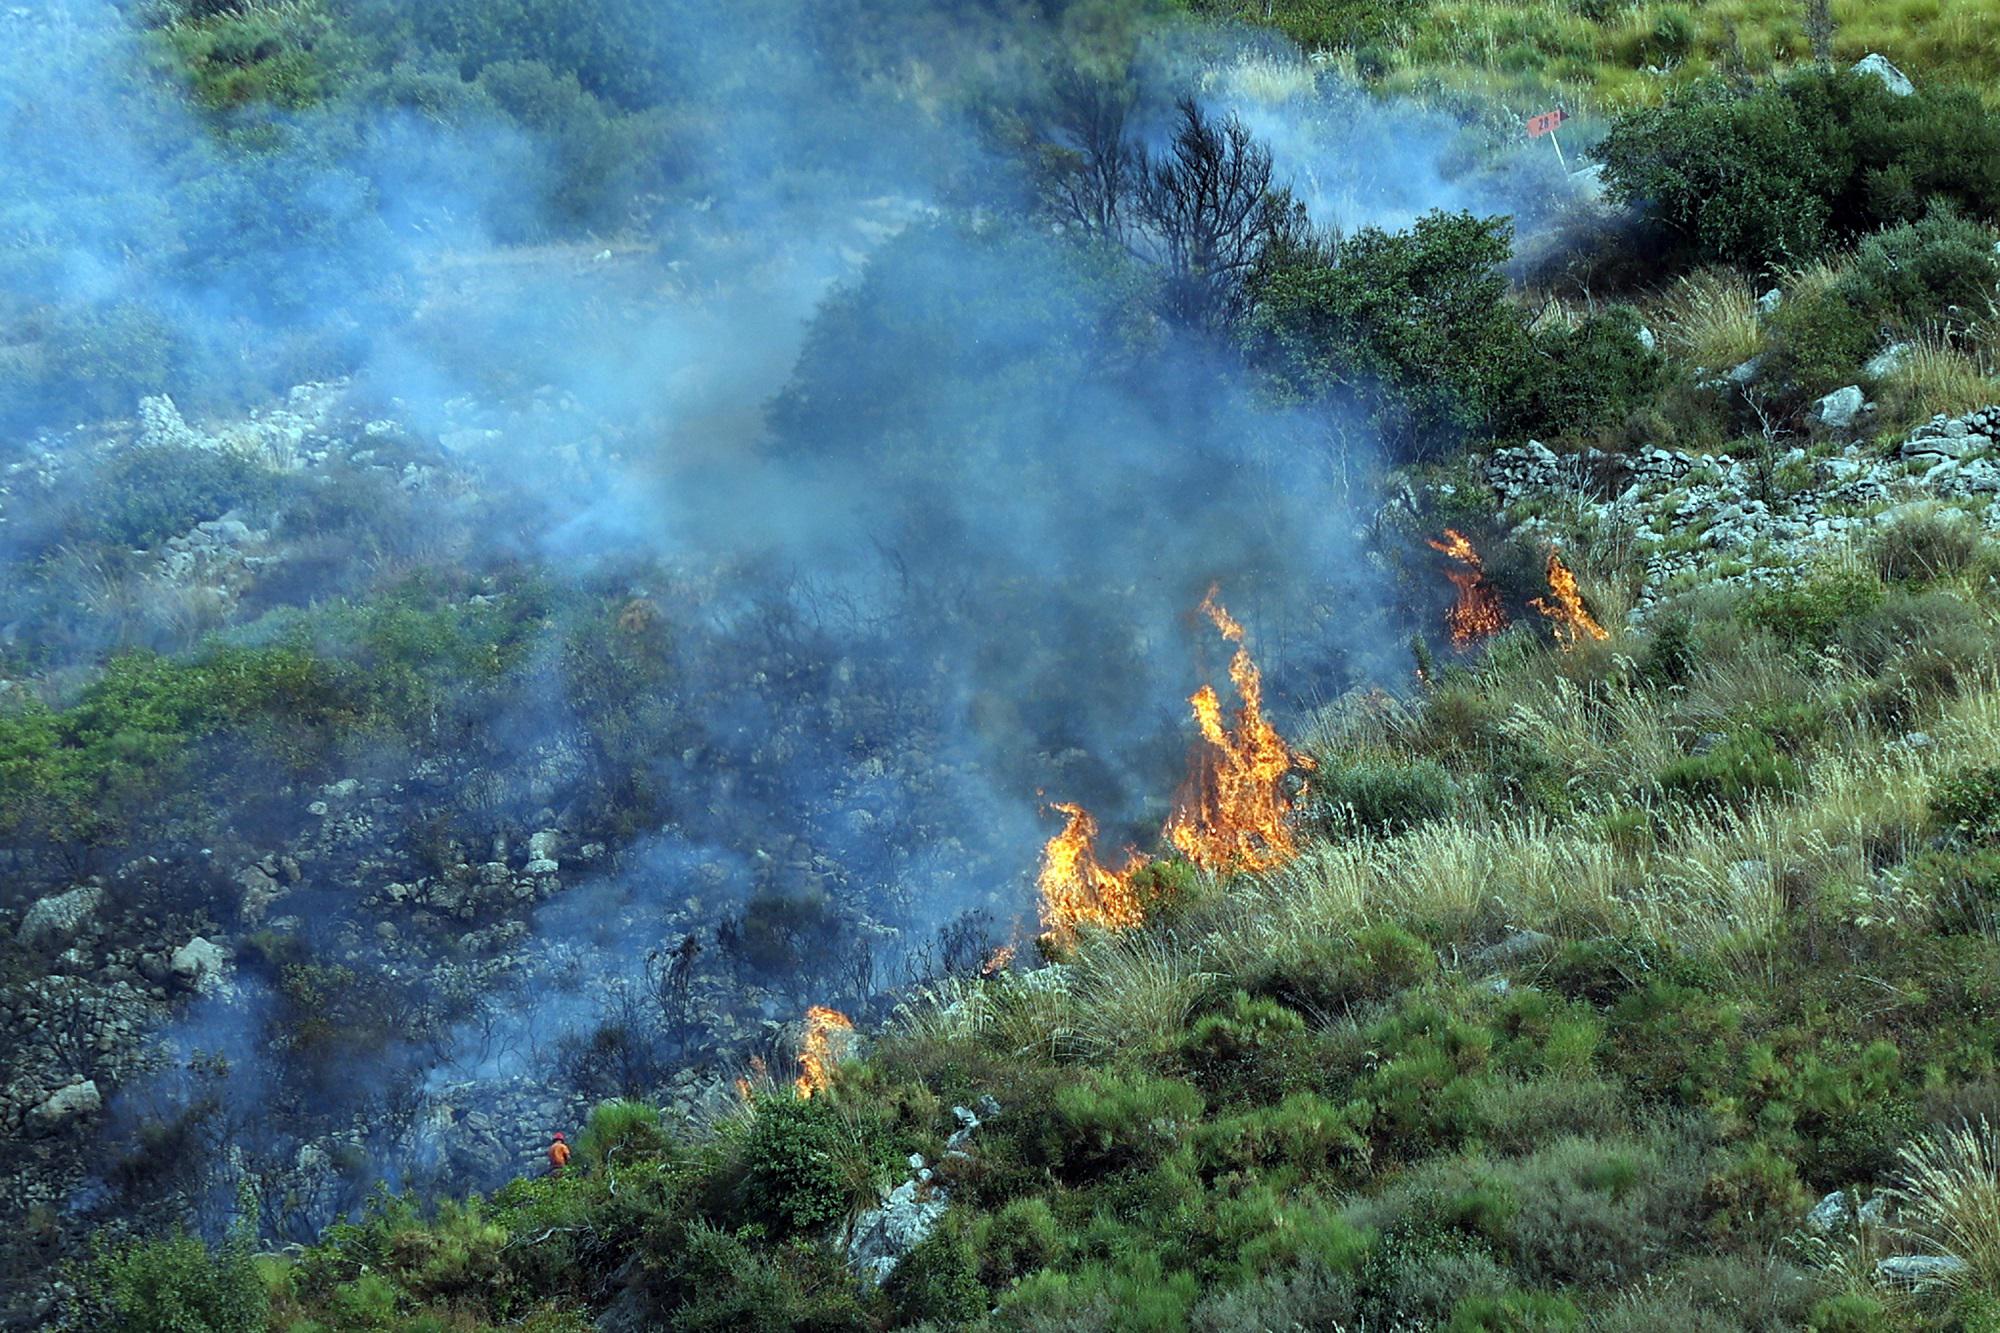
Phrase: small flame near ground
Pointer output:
(1477, 613)
(816, 1054)
(1231, 813)
(1564, 607)
(997, 962)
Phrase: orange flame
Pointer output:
(816, 1053)
(1233, 811)
(1477, 614)
(997, 962)
(1077, 889)
(1571, 621)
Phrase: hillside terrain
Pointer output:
(904, 665)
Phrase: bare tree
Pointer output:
(1208, 210)
(670, 972)
(1090, 167)
(1819, 30)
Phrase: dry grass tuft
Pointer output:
(1949, 1199)
(1709, 318)
(1937, 376)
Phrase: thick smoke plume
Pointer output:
(831, 379)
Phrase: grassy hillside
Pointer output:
(1597, 969)
(1586, 54)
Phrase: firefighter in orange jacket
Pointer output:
(558, 1155)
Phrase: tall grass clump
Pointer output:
(1709, 318)
(1949, 1197)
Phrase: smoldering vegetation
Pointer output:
(666, 501)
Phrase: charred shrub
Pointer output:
(780, 932)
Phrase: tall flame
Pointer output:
(1233, 811)
(1571, 621)
(1077, 889)
(816, 1053)
(1477, 613)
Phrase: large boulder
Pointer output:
(198, 963)
(1877, 66)
(161, 426)
(1839, 410)
(54, 921)
(65, 1106)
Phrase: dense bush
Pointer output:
(1782, 173)
(178, 1285)
(1968, 802)
(1381, 796)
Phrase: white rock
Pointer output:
(54, 921)
(65, 1106)
(1838, 409)
(1877, 66)
(1887, 361)
(198, 963)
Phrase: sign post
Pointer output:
(1546, 124)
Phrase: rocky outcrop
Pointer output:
(199, 964)
(881, 1237)
(1688, 509)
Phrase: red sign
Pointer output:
(1546, 122)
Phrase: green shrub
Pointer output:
(1967, 802)
(1514, 1312)
(1592, 378)
(1020, 1238)
(1321, 973)
(937, 1281)
(1413, 327)
(1963, 887)
(1744, 765)
(1780, 173)
(1114, 1121)
(1254, 1050)
(1382, 796)
(178, 1285)
(1940, 270)
(1425, 1090)
(622, 1130)
(1806, 613)
(794, 1166)
(1820, 338)
(1305, 1133)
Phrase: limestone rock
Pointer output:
(1916, 1270)
(198, 963)
(53, 922)
(1877, 66)
(882, 1236)
(65, 1106)
(1838, 410)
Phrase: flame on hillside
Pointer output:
(1079, 890)
(1564, 607)
(997, 962)
(1233, 812)
(816, 1053)
(1477, 613)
